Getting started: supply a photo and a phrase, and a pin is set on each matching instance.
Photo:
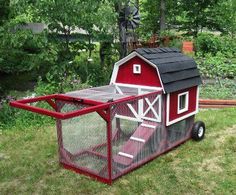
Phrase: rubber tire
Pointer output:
(195, 131)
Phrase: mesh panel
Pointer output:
(84, 141)
(128, 90)
(137, 141)
(179, 131)
(101, 94)
(138, 134)
(67, 106)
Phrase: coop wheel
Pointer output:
(198, 131)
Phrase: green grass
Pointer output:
(29, 164)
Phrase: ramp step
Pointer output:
(137, 139)
(149, 126)
(126, 155)
(136, 143)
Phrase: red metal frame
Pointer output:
(50, 99)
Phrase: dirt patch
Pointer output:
(4, 156)
(211, 165)
(222, 135)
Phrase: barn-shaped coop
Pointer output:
(148, 108)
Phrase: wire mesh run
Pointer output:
(138, 140)
(109, 143)
(83, 141)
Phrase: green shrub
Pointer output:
(219, 65)
(91, 71)
(13, 118)
(221, 89)
(210, 43)
(24, 51)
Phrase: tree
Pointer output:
(162, 15)
(118, 6)
(21, 50)
(224, 17)
(4, 10)
(158, 16)
(196, 14)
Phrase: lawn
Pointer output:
(29, 164)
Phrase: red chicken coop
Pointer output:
(147, 109)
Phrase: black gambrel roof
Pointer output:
(177, 70)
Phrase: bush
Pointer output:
(210, 43)
(12, 118)
(21, 50)
(16, 118)
(218, 65)
(225, 89)
(91, 71)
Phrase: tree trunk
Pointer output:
(162, 15)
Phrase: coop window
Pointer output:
(183, 102)
(137, 69)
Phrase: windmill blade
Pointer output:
(137, 18)
(135, 11)
(130, 17)
(133, 24)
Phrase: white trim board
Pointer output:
(197, 103)
(186, 108)
(180, 118)
(128, 118)
(137, 86)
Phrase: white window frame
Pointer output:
(186, 102)
(136, 68)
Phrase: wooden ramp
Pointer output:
(136, 143)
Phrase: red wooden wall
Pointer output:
(173, 105)
(148, 76)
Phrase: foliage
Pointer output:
(224, 17)
(12, 118)
(76, 15)
(196, 14)
(210, 43)
(21, 50)
(91, 71)
(176, 43)
(216, 55)
(223, 89)
(218, 66)
(150, 17)
(4, 11)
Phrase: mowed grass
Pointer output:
(29, 164)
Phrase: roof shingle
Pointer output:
(177, 70)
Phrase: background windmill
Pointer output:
(129, 19)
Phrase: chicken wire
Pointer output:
(83, 140)
(101, 94)
(138, 134)
(137, 141)
(179, 131)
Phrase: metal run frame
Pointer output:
(104, 110)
